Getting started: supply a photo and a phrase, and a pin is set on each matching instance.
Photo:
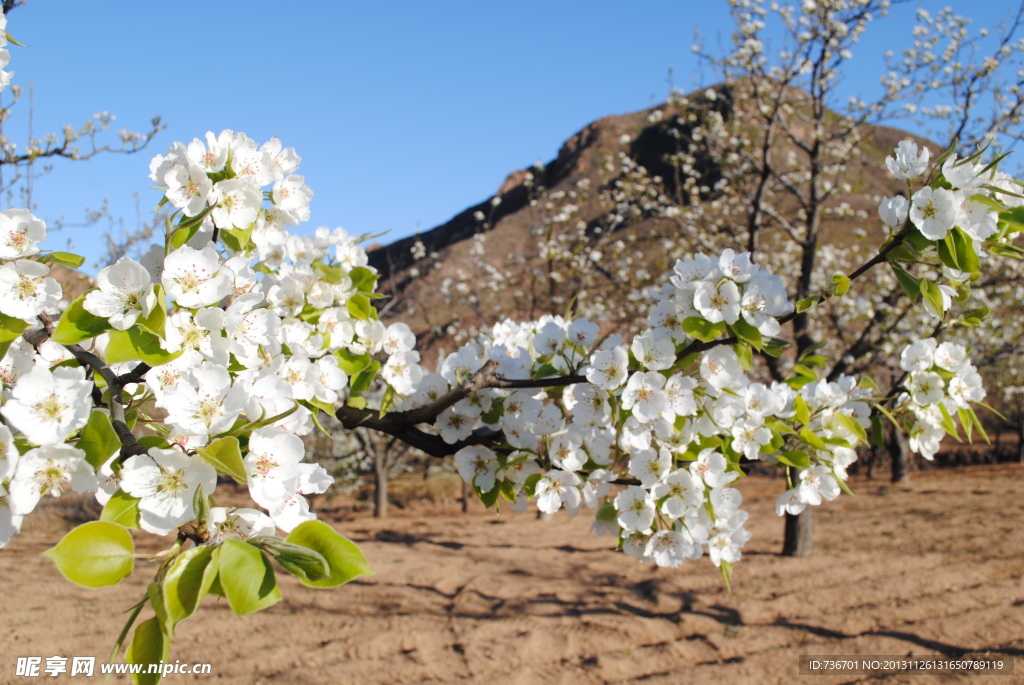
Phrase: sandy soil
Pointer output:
(932, 567)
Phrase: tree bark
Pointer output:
(799, 540)
(1020, 439)
(899, 453)
(380, 490)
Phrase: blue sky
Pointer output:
(404, 113)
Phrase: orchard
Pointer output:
(208, 359)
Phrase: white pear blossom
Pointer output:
(608, 368)
(188, 188)
(230, 523)
(207, 404)
(195, 278)
(477, 466)
(165, 480)
(48, 406)
(636, 509)
(933, 212)
(26, 290)
(20, 234)
(559, 488)
(125, 293)
(48, 470)
(907, 161)
(645, 395)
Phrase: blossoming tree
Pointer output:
(227, 341)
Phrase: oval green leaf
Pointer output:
(345, 559)
(122, 509)
(225, 456)
(99, 441)
(149, 646)
(94, 554)
(246, 577)
(76, 324)
(186, 582)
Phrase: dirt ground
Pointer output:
(932, 567)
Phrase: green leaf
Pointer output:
(149, 645)
(363, 280)
(301, 562)
(877, 431)
(350, 363)
(188, 227)
(948, 425)
(238, 239)
(977, 424)
(746, 332)
(246, 577)
(343, 557)
(225, 455)
(809, 437)
(94, 554)
(965, 421)
(387, 400)
(99, 441)
(933, 297)
(910, 284)
(1003, 250)
(974, 317)
(360, 308)
(76, 324)
(137, 344)
(156, 320)
(361, 381)
(803, 370)
(10, 329)
(155, 592)
(489, 498)
(807, 303)
(186, 582)
(151, 441)
(840, 285)
(201, 507)
(957, 252)
(508, 490)
(774, 346)
(902, 253)
(795, 458)
(328, 274)
(853, 425)
(745, 355)
(530, 484)
(607, 513)
(702, 329)
(122, 509)
(68, 259)
(495, 413)
(803, 414)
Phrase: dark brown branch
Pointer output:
(37, 335)
(404, 424)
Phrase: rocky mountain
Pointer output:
(611, 205)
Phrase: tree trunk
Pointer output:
(899, 453)
(466, 493)
(1020, 439)
(799, 540)
(799, 537)
(380, 490)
